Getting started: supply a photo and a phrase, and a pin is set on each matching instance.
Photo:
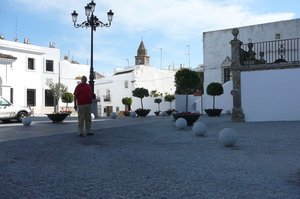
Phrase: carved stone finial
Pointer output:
(235, 33)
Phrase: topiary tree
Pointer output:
(158, 101)
(186, 82)
(57, 90)
(127, 101)
(169, 98)
(67, 98)
(140, 93)
(214, 89)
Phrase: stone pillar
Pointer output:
(236, 58)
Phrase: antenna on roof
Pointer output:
(16, 31)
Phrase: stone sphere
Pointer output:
(172, 118)
(132, 114)
(181, 123)
(199, 128)
(228, 137)
(26, 121)
(227, 112)
(92, 116)
(113, 115)
(163, 113)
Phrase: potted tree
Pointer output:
(186, 82)
(169, 98)
(127, 101)
(158, 101)
(214, 89)
(141, 93)
(57, 90)
(67, 98)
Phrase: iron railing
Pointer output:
(286, 50)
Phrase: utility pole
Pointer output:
(160, 57)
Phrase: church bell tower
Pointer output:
(142, 57)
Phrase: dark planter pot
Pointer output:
(126, 113)
(190, 119)
(157, 113)
(57, 118)
(213, 112)
(169, 112)
(142, 112)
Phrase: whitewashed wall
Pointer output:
(216, 45)
(143, 76)
(271, 95)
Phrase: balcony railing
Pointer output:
(272, 51)
(106, 98)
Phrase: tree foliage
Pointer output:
(169, 98)
(158, 101)
(57, 90)
(187, 82)
(127, 101)
(214, 89)
(67, 98)
(154, 93)
(140, 93)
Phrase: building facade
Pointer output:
(112, 89)
(26, 71)
(217, 50)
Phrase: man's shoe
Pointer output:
(80, 135)
(90, 134)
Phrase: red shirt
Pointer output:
(83, 93)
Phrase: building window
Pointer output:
(30, 64)
(278, 36)
(31, 97)
(49, 99)
(49, 65)
(226, 75)
(126, 83)
(12, 95)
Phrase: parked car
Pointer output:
(8, 111)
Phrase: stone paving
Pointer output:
(149, 158)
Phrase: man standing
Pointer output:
(83, 99)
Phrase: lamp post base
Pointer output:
(95, 107)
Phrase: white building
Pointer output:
(26, 70)
(217, 50)
(261, 83)
(112, 89)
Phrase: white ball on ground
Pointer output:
(132, 114)
(199, 128)
(163, 113)
(227, 112)
(181, 123)
(228, 137)
(92, 116)
(113, 115)
(26, 121)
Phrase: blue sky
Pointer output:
(168, 24)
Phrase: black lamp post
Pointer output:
(92, 22)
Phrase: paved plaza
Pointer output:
(148, 157)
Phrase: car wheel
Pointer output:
(21, 115)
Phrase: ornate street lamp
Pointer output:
(92, 22)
